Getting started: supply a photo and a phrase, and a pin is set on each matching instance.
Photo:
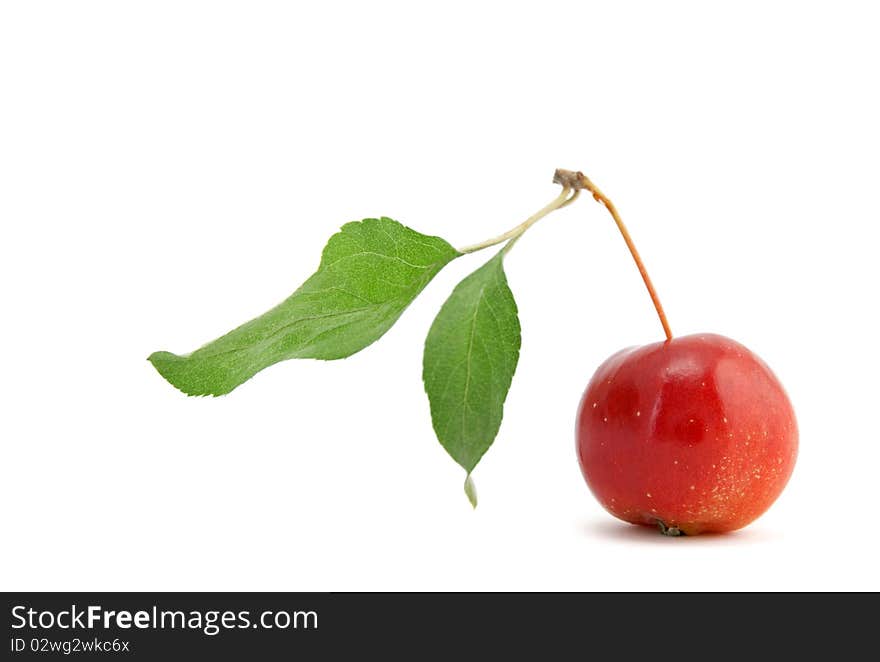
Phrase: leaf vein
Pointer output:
(380, 255)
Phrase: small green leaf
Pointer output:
(370, 271)
(470, 356)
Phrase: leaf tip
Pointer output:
(155, 356)
(160, 360)
(470, 491)
(172, 367)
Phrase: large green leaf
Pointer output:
(470, 356)
(370, 271)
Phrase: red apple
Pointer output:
(691, 435)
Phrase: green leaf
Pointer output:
(470, 356)
(370, 272)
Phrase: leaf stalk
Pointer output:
(560, 201)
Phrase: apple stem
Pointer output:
(573, 183)
(578, 180)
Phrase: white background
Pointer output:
(169, 170)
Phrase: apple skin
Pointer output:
(694, 435)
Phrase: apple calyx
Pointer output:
(672, 531)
